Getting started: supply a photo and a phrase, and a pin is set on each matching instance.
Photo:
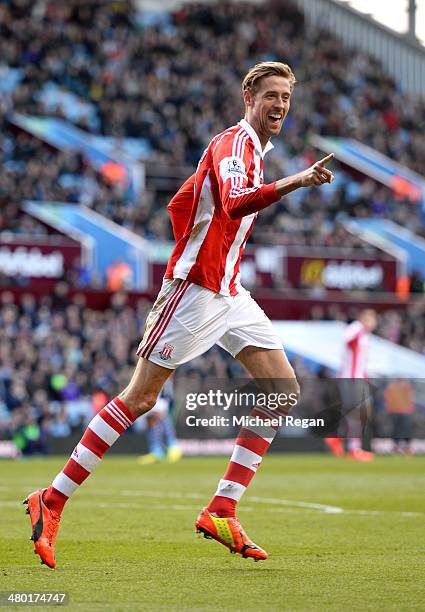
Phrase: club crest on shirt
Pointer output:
(232, 167)
(166, 352)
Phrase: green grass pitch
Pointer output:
(341, 536)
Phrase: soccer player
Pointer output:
(202, 303)
(353, 366)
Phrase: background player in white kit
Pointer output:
(354, 367)
(202, 303)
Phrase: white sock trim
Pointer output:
(85, 457)
(64, 484)
(246, 457)
(103, 430)
(112, 405)
(231, 489)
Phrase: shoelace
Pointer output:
(245, 538)
(52, 527)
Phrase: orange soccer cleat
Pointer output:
(336, 446)
(230, 533)
(358, 454)
(45, 527)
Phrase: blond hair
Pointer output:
(266, 69)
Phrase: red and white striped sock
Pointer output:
(102, 431)
(251, 445)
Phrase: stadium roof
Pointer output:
(392, 14)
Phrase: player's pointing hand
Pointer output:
(325, 160)
(317, 174)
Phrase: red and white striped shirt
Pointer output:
(214, 211)
(354, 359)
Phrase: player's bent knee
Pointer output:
(287, 386)
(296, 389)
(295, 394)
(289, 390)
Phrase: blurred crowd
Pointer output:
(58, 359)
(60, 362)
(173, 79)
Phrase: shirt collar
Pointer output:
(254, 137)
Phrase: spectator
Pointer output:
(416, 282)
(119, 276)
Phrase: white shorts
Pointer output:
(187, 320)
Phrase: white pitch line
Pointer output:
(289, 509)
(326, 508)
(298, 504)
(266, 500)
(275, 501)
(129, 505)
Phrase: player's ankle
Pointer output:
(54, 500)
(222, 507)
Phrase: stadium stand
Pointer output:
(167, 79)
(163, 81)
(64, 353)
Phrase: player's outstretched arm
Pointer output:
(317, 174)
(240, 200)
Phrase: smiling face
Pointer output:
(267, 106)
